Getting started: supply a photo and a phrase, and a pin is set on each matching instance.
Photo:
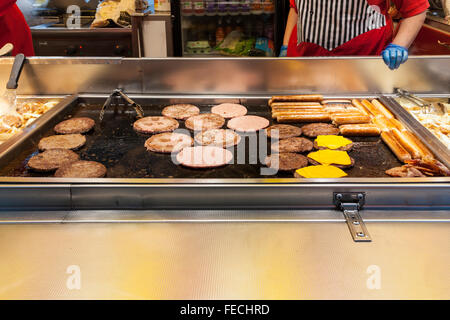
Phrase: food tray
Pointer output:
(115, 144)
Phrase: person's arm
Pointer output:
(290, 25)
(408, 30)
(414, 13)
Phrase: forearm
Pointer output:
(408, 30)
(290, 25)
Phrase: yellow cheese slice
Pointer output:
(332, 141)
(331, 157)
(321, 172)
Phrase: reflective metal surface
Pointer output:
(230, 76)
(251, 260)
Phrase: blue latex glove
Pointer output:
(394, 55)
(283, 51)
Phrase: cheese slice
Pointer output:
(331, 157)
(332, 141)
(321, 172)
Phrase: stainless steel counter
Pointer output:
(278, 238)
(286, 255)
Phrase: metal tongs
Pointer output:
(118, 93)
(426, 107)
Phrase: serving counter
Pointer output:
(161, 233)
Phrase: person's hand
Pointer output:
(283, 51)
(394, 55)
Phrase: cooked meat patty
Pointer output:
(75, 125)
(168, 142)
(340, 166)
(218, 137)
(52, 159)
(248, 123)
(67, 141)
(150, 125)
(286, 161)
(81, 169)
(204, 157)
(229, 110)
(344, 148)
(295, 144)
(206, 121)
(180, 111)
(313, 130)
(283, 131)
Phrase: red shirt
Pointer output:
(346, 27)
(6, 4)
(14, 29)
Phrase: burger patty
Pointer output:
(295, 144)
(180, 111)
(67, 141)
(348, 147)
(248, 123)
(168, 142)
(204, 157)
(52, 159)
(205, 121)
(340, 166)
(149, 125)
(218, 137)
(75, 125)
(313, 130)
(283, 131)
(286, 161)
(229, 110)
(81, 169)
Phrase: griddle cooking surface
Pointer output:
(115, 144)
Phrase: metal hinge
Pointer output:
(350, 203)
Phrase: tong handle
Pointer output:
(414, 99)
(16, 70)
(119, 92)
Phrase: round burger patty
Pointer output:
(180, 111)
(75, 125)
(229, 110)
(204, 157)
(168, 142)
(295, 144)
(347, 147)
(313, 130)
(52, 159)
(67, 141)
(283, 131)
(150, 125)
(205, 121)
(218, 137)
(286, 161)
(81, 169)
(340, 166)
(248, 123)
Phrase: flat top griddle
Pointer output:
(115, 144)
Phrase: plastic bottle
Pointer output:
(233, 7)
(245, 7)
(269, 6)
(222, 7)
(199, 8)
(211, 7)
(187, 7)
(256, 6)
(220, 33)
